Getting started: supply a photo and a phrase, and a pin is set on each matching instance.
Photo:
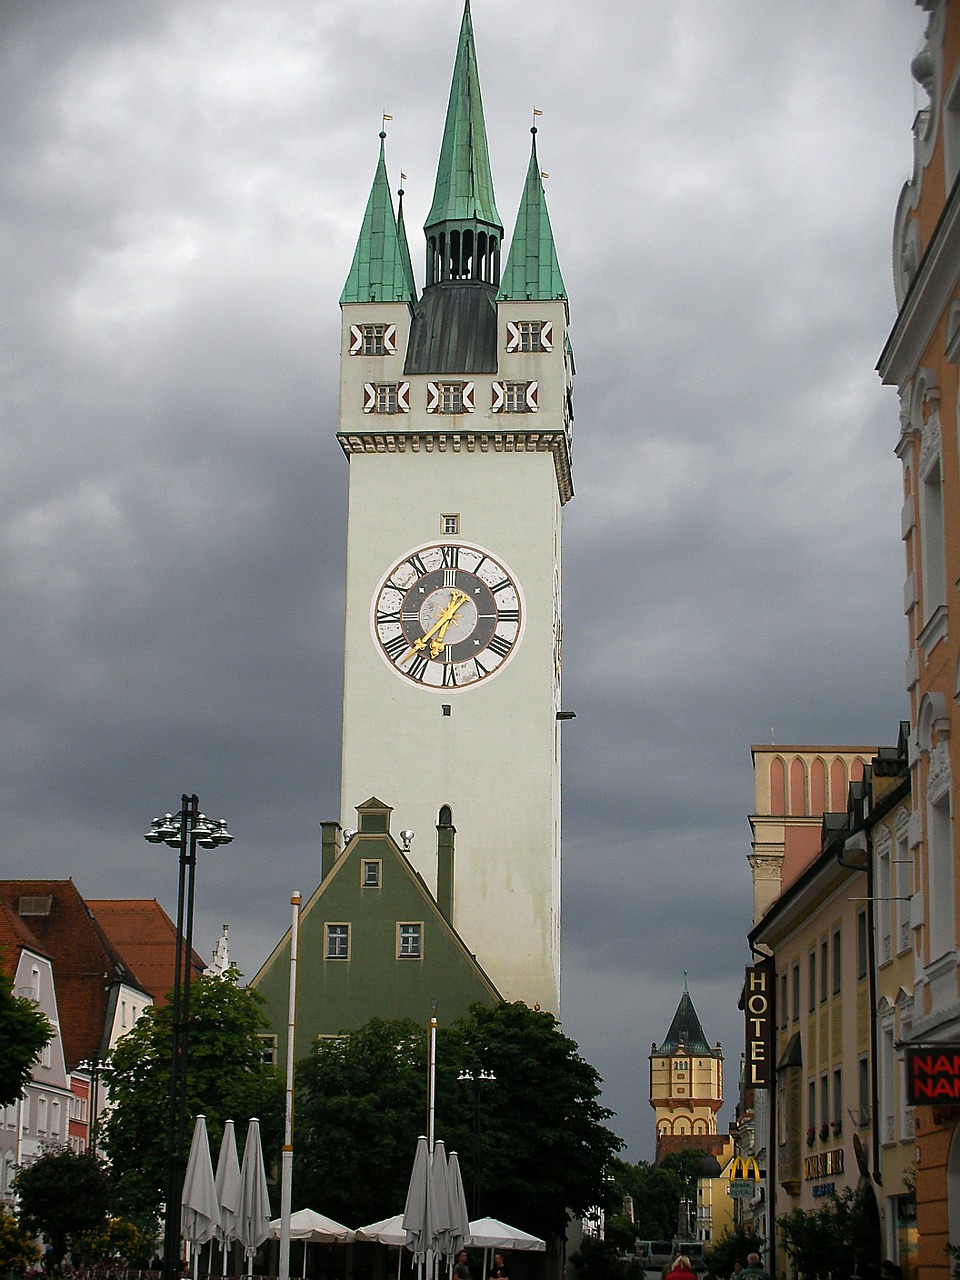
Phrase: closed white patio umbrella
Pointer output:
(200, 1208)
(254, 1222)
(227, 1183)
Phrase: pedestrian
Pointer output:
(753, 1270)
(681, 1269)
(461, 1269)
(499, 1270)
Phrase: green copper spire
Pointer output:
(404, 247)
(381, 261)
(532, 269)
(463, 227)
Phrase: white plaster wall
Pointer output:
(495, 760)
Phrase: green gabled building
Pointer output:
(373, 941)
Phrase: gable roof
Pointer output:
(87, 967)
(374, 980)
(15, 937)
(145, 936)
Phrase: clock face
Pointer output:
(448, 616)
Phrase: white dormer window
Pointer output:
(529, 335)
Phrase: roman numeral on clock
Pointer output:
(449, 675)
(451, 557)
(418, 666)
(384, 618)
(499, 646)
(397, 646)
(509, 615)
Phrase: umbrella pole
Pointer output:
(304, 1260)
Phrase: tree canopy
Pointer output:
(543, 1143)
(63, 1195)
(24, 1030)
(842, 1238)
(656, 1191)
(227, 1078)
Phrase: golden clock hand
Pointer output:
(457, 599)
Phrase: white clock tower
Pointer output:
(455, 415)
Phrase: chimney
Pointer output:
(329, 847)
(446, 833)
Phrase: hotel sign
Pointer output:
(758, 992)
(933, 1074)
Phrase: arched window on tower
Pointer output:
(445, 816)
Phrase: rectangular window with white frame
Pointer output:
(370, 872)
(410, 941)
(451, 397)
(514, 397)
(525, 336)
(336, 942)
(450, 523)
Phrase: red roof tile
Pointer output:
(86, 965)
(145, 936)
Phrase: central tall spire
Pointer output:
(463, 228)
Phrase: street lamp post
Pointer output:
(184, 831)
(475, 1075)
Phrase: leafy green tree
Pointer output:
(359, 1109)
(24, 1030)
(227, 1078)
(842, 1238)
(544, 1147)
(63, 1195)
(116, 1238)
(733, 1246)
(17, 1249)
(656, 1192)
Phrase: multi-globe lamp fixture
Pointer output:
(184, 831)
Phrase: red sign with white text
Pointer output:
(933, 1075)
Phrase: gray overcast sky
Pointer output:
(181, 188)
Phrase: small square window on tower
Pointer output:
(370, 874)
(450, 523)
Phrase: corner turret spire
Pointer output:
(532, 270)
(381, 270)
(463, 228)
